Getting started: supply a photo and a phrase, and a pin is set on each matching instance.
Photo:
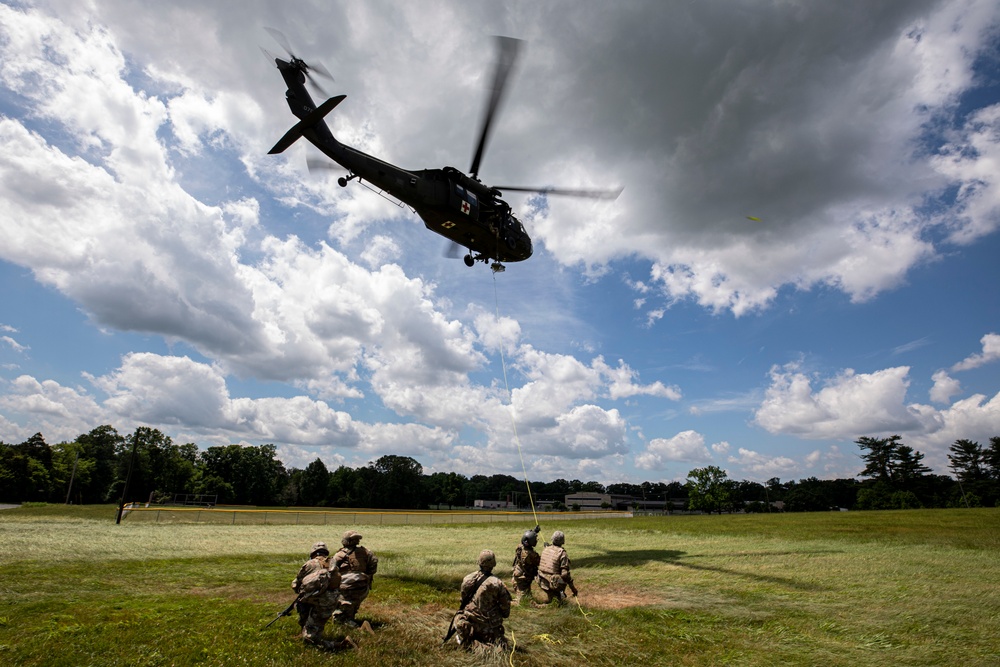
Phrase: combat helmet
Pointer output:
(350, 536)
(319, 547)
(529, 539)
(558, 538)
(487, 560)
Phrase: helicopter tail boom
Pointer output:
(309, 121)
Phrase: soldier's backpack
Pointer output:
(317, 580)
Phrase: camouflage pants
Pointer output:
(522, 587)
(350, 601)
(554, 588)
(313, 615)
(468, 631)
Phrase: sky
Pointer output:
(804, 252)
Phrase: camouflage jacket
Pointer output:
(490, 603)
(357, 566)
(525, 563)
(318, 581)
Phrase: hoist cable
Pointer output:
(510, 398)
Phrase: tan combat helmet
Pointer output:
(350, 536)
(487, 560)
(558, 538)
(317, 548)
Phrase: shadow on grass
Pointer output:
(628, 558)
(641, 557)
(440, 583)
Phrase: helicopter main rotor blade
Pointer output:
(565, 192)
(452, 250)
(280, 38)
(307, 68)
(508, 48)
(315, 164)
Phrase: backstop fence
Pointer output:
(323, 517)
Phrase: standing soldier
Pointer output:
(525, 564)
(316, 584)
(554, 570)
(357, 567)
(485, 603)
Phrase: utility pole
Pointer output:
(128, 475)
(72, 476)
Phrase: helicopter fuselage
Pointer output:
(449, 202)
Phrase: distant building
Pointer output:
(620, 502)
(598, 501)
(494, 505)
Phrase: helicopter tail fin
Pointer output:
(309, 121)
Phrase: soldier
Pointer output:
(554, 570)
(525, 564)
(485, 603)
(316, 584)
(357, 567)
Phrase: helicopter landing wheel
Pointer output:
(342, 182)
(469, 261)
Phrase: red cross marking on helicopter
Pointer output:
(448, 224)
(465, 207)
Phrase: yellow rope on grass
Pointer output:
(586, 615)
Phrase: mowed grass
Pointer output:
(918, 587)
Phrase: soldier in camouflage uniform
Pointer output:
(357, 567)
(525, 565)
(485, 604)
(554, 570)
(317, 585)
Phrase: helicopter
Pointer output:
(456, 205)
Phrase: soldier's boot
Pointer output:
(346, 617)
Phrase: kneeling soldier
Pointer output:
(485, 604)
(316, 584)
(357, 567)
(554, 570)
(525, 565)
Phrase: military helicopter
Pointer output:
(456, 205)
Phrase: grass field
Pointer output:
(919, 587)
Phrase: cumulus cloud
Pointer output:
(686, 446)
(944, 387)
(31, 406)
(760, 465)
(852, 404)
(847, 405)
(990, 353)
(13, 344)
(622, 383)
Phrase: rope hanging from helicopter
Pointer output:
(510, 400)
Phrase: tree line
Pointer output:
(97, 467)
(894, 477)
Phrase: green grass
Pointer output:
(915, 587)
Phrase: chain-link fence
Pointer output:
(319, 517)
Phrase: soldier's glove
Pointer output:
(573, 588)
